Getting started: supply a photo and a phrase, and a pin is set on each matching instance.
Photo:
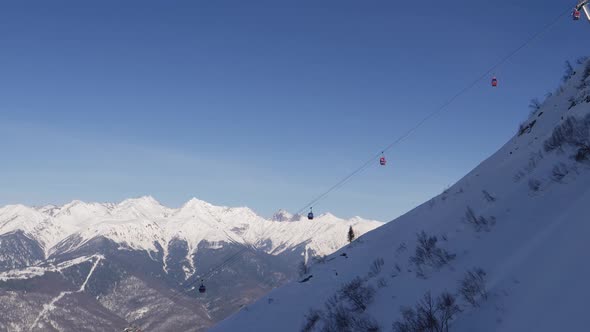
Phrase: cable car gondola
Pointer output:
(576, 14)
(494, 82)
(382, 160)
(202, 288)
(310, 215)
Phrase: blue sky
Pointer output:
(263, 103)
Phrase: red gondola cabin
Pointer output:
(576, 15)
(382, 161)
(494, 82)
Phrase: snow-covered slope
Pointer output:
(519, 221)
(144, 224)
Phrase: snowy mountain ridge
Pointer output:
(143, 224)
(503, 249)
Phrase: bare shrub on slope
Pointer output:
(376, 267)
(473, 286)
(347, 316)
(311, 319)
(428, 254)
(479, 222)
(573, 132)
(428, 315)
(357, 294)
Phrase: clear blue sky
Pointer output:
(263, 103)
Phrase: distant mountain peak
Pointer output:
(142, 200)
(282, 215)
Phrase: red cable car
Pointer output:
(382, 161)
(494, 82)
(576, 14)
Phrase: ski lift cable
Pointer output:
(438, 110)
(408, 133)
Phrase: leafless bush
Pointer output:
(396, 270)
(569, 72)
(479, 223)
(401, 248)
(311, 319)
(585, 75)
(518, 176)
(444, 194)
(338, 318)
(534, 106)
(382, 282)
(559, 172)
(526, 128)
(533, 161)
(572, 132)
(473, 286)
(357, 294)
(581, 60)
(488, 196)
(534, 184)
(429, 254)
(573, 102)
(428, 315)
(376, 267)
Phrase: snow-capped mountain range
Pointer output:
(503, 249)
(144, 224)
(137, 262)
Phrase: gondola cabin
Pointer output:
(576, 14)
(494, 82)
(382, 161)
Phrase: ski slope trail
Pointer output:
(47, 308)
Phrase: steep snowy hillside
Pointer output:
(137, 262)
(504, 249)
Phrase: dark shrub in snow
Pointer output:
(428, 315)
(534, 106)
(429, 254)
(311, 319)
(573, 132)
(488, 196)
(479, 223)
(569, 72)
(339, 318)
(376, 267)
(356, 294)
(473, 286)
(559, 172)
(534, 184)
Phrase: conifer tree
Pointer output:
(350, 234)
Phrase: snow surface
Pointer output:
(534, 252)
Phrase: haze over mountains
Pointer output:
(83, 265)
